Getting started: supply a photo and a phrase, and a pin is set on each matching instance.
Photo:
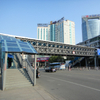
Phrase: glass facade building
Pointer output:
(90, 27)
(52, 32)
(58, 31)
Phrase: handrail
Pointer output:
(20, 59)
(79, 59)
(25, 64)
(29, 69)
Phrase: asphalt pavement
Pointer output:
(60, 85)
(71, 85)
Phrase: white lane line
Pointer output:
(74, 83)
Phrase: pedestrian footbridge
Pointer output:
(55, 48)
(18, 72)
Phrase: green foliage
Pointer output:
(70, 58)
(56, 59)
(60, 58)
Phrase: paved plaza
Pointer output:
(26, 93)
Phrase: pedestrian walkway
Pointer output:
(26, 93)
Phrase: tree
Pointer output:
(56, 59)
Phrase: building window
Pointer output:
(39, 44)
(41, 33)
(38, 33)
(49, 45)
(44, 35)
(34, 43)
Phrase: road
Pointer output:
(71, 85)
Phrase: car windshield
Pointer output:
(51, 66)
(54, 64)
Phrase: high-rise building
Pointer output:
(90, 26)
(42, 31)
(58, 31)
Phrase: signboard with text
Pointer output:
(98, 52)
(91, 16)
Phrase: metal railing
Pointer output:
(20, 58)
(25, 64)
(29, 69)
(78, 60)
(57, 48)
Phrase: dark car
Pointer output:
(50, 69)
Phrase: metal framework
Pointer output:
(55, 48)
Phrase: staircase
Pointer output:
(16, 62)
(17, 78)
(79, 59)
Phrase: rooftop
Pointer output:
(11, 44)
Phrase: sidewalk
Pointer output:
(26, 93)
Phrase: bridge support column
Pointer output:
(86, 62)
(35, 70)
(95, 61)
(45, 63)
(4, 72)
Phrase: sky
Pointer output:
(20, 17)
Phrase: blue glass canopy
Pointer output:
(11, 44)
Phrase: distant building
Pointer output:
(90, 26)
(93, 42)
(58, 31)
(42, 31)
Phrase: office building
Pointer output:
(90, 26)
(93, 42)
(58, 31)
(42, 31)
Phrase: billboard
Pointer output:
(91, 16)
(42, 25)
(98, 52)
(43, 59)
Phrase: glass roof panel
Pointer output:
(27, 50)
(3, 44)
(11, 44)
(3, 48)
(0, 38)
(22, 42)
(24, 46)
(10, 41)
(13, 49)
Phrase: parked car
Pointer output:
(50, 69)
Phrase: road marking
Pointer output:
(73, 83)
